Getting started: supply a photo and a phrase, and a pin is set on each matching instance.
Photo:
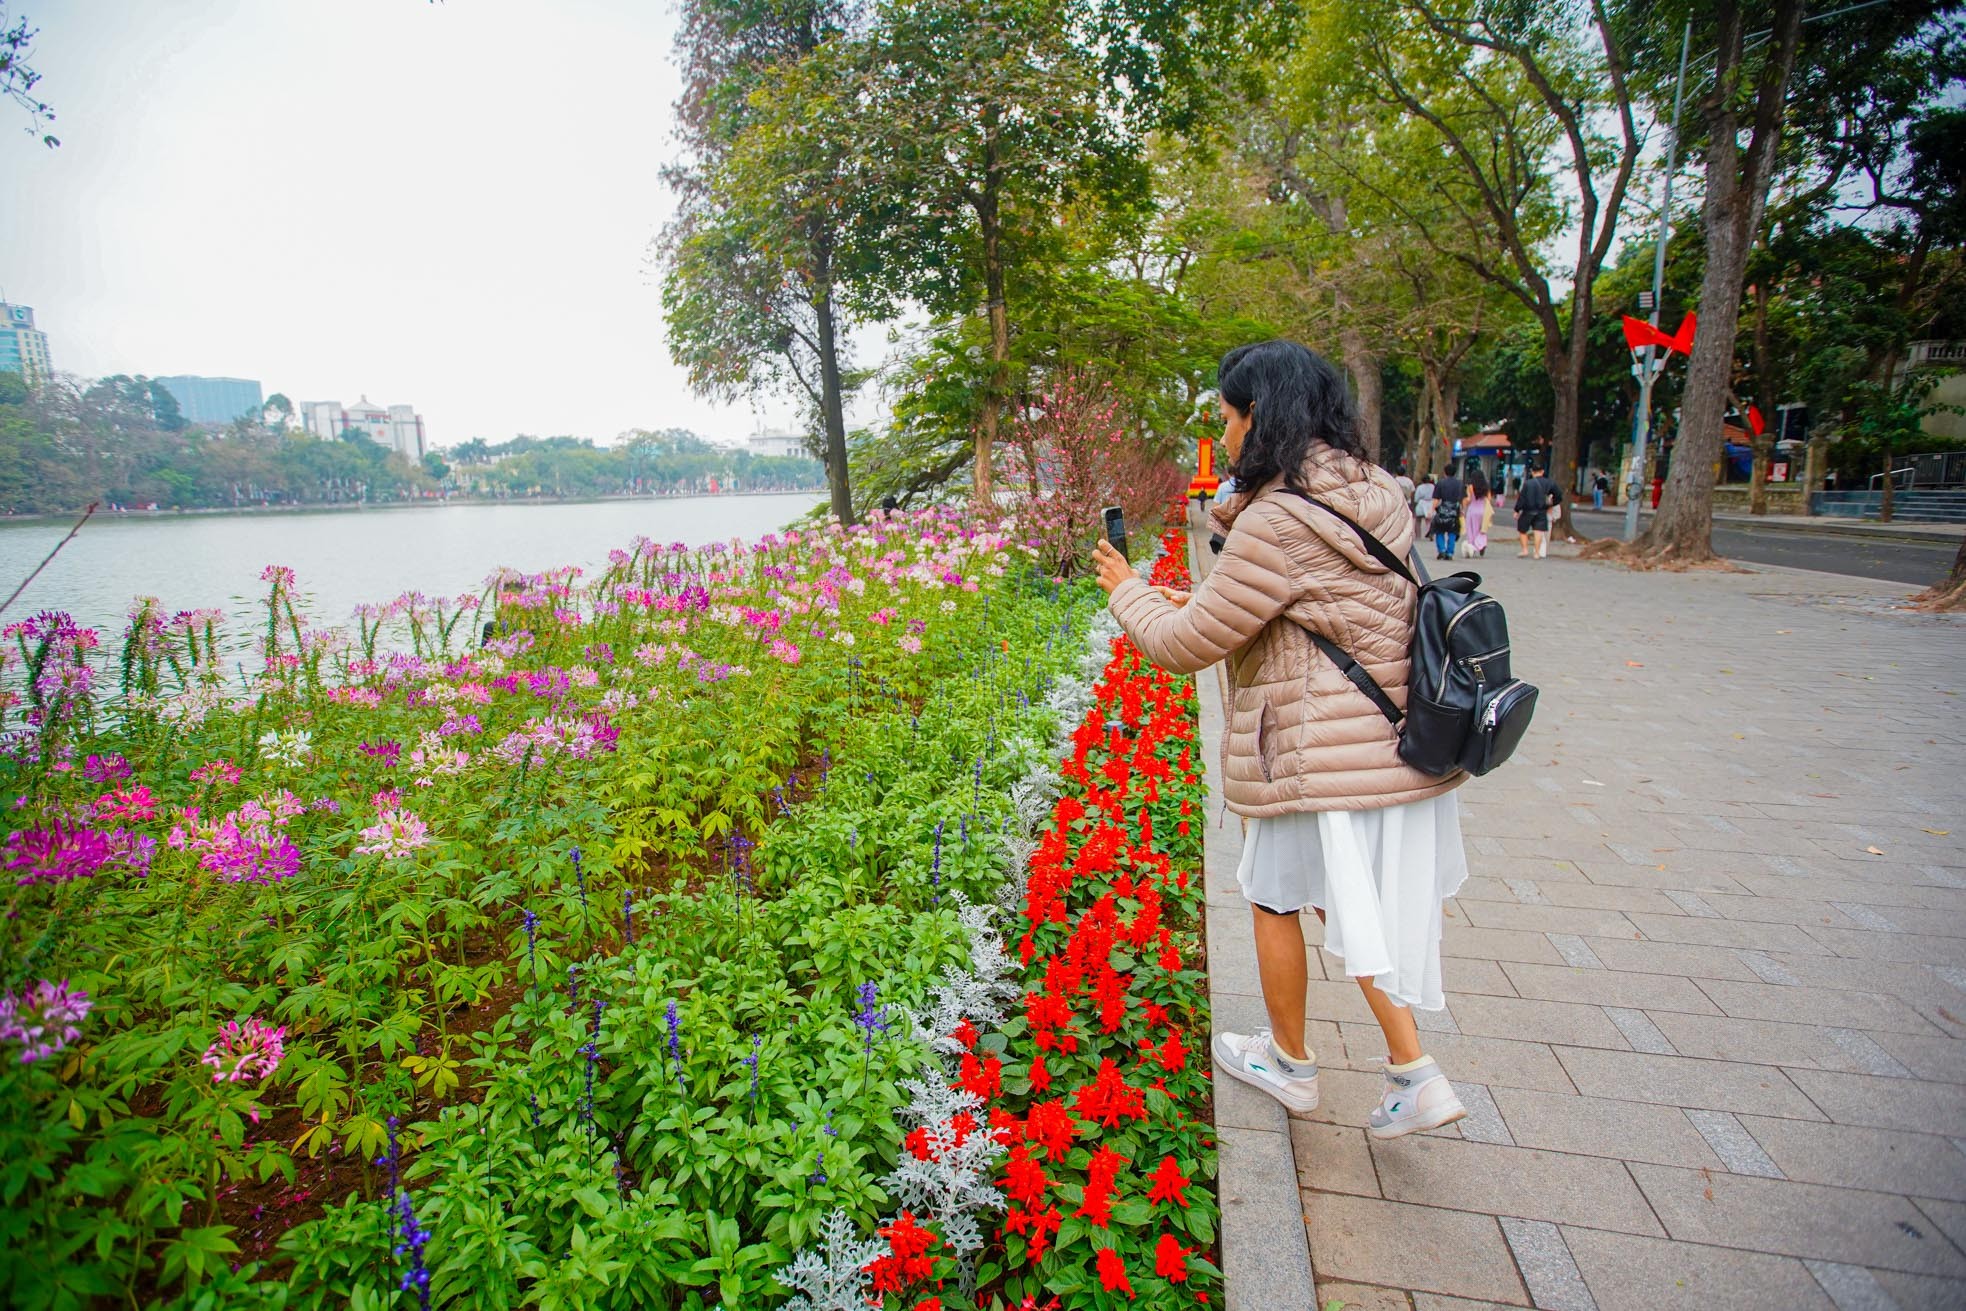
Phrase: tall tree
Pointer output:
(18, 77)
(978, 119)
(1856, 97)
(754, 254)
(1517, 93)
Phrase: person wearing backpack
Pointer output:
(1451, 497)
(1532, 513)
(1338, 822)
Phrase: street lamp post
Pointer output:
(1648, 368)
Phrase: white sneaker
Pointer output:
(1251, 1058)
(1420, 1098)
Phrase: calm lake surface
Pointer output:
(345, 558)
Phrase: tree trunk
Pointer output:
(1447, 415)
(989, 219)
(1367, 386)
(832, 408)
(1887, 507)
(1737, 189)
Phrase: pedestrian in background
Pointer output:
(1338, 823)
(1532, 513)
(1423, 506)
(1450, 499)
(1481, 504)
(1600, 486)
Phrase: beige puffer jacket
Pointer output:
(1300, 736)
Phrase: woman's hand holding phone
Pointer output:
(1109, 565)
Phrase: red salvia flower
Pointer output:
(1169, 1184)
(1112, 1273)
(1024, 1177)
(1050, 1126)
(1171, 1260)
(981, 1076)
(966, 1034)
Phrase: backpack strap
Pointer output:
(1356, 672)
(1337, 655)
(1379, 550)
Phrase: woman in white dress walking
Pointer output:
(1337, 823)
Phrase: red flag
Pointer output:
(1682, 341)
(1755, 423)
(1639, 334)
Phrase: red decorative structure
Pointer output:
(1205, 482)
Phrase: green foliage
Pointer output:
(780, 827)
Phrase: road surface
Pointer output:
(1896, 559)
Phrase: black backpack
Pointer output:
(1464, 710)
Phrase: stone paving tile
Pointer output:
(1461, 974)
(1726, 933)
(1519, 1181)
(1837, 1006)
(1547, 919)
(1780, 910)
(1546, 1265)
(1914, 1104)
(1628, 1273)
(1363, 1297)
(1670, 958)
(1617, 874)
(1852, 1156)
(1337, 999)
(1733, 1144)
(1682, 1081)
(1866, 944)
(1332, 1158)
(1596, 1126)
(1763, 1042)
(1537, 1021)
(1851, 1287)
(1497, 944)
(1608, 987)
(1435, 1302)
(1593, 896)
(1421, 1248)
(1921, 1292)
(1796, 1219)
(1950, 1217)
(1492, 1061)
(1926, 1058)
(1864, 891)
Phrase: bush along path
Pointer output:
(1065, 1157)
(579, 969)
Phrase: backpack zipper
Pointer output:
(1475, 661)
(1447, 638)
(1495, 703)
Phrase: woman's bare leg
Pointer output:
(1395, 1021)
(1280, 964)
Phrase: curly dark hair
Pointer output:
(1293, 397)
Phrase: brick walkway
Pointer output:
(1706, 982)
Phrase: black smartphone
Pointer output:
(1116, 528)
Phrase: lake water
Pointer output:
(345, 558)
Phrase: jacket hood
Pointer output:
(1364, 491)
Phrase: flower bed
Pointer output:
(1075, 1097)
(578, 969)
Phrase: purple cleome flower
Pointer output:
(44, 1019)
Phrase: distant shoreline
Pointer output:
(817, 494)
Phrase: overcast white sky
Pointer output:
(448, 205)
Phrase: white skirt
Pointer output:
(1378, 875)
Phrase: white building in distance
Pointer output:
(399, 427)
(780, 444)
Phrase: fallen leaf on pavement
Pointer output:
(1873, 851)
(1634, 664)
(1938, 832)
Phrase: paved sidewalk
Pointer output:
(1833, 525)
(1706, 982)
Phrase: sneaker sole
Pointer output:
(1263, 1086)
(1419, 1124)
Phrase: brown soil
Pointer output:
(1612, 551)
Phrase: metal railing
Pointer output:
(1899, 478)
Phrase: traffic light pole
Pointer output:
(1648, 368)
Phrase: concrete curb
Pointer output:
(1266, 1251)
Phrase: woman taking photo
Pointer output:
(1337, 823)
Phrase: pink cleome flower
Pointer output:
(248, 1050)
(395, 834)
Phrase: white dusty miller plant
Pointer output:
(834, 1278)
(952, 1190)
